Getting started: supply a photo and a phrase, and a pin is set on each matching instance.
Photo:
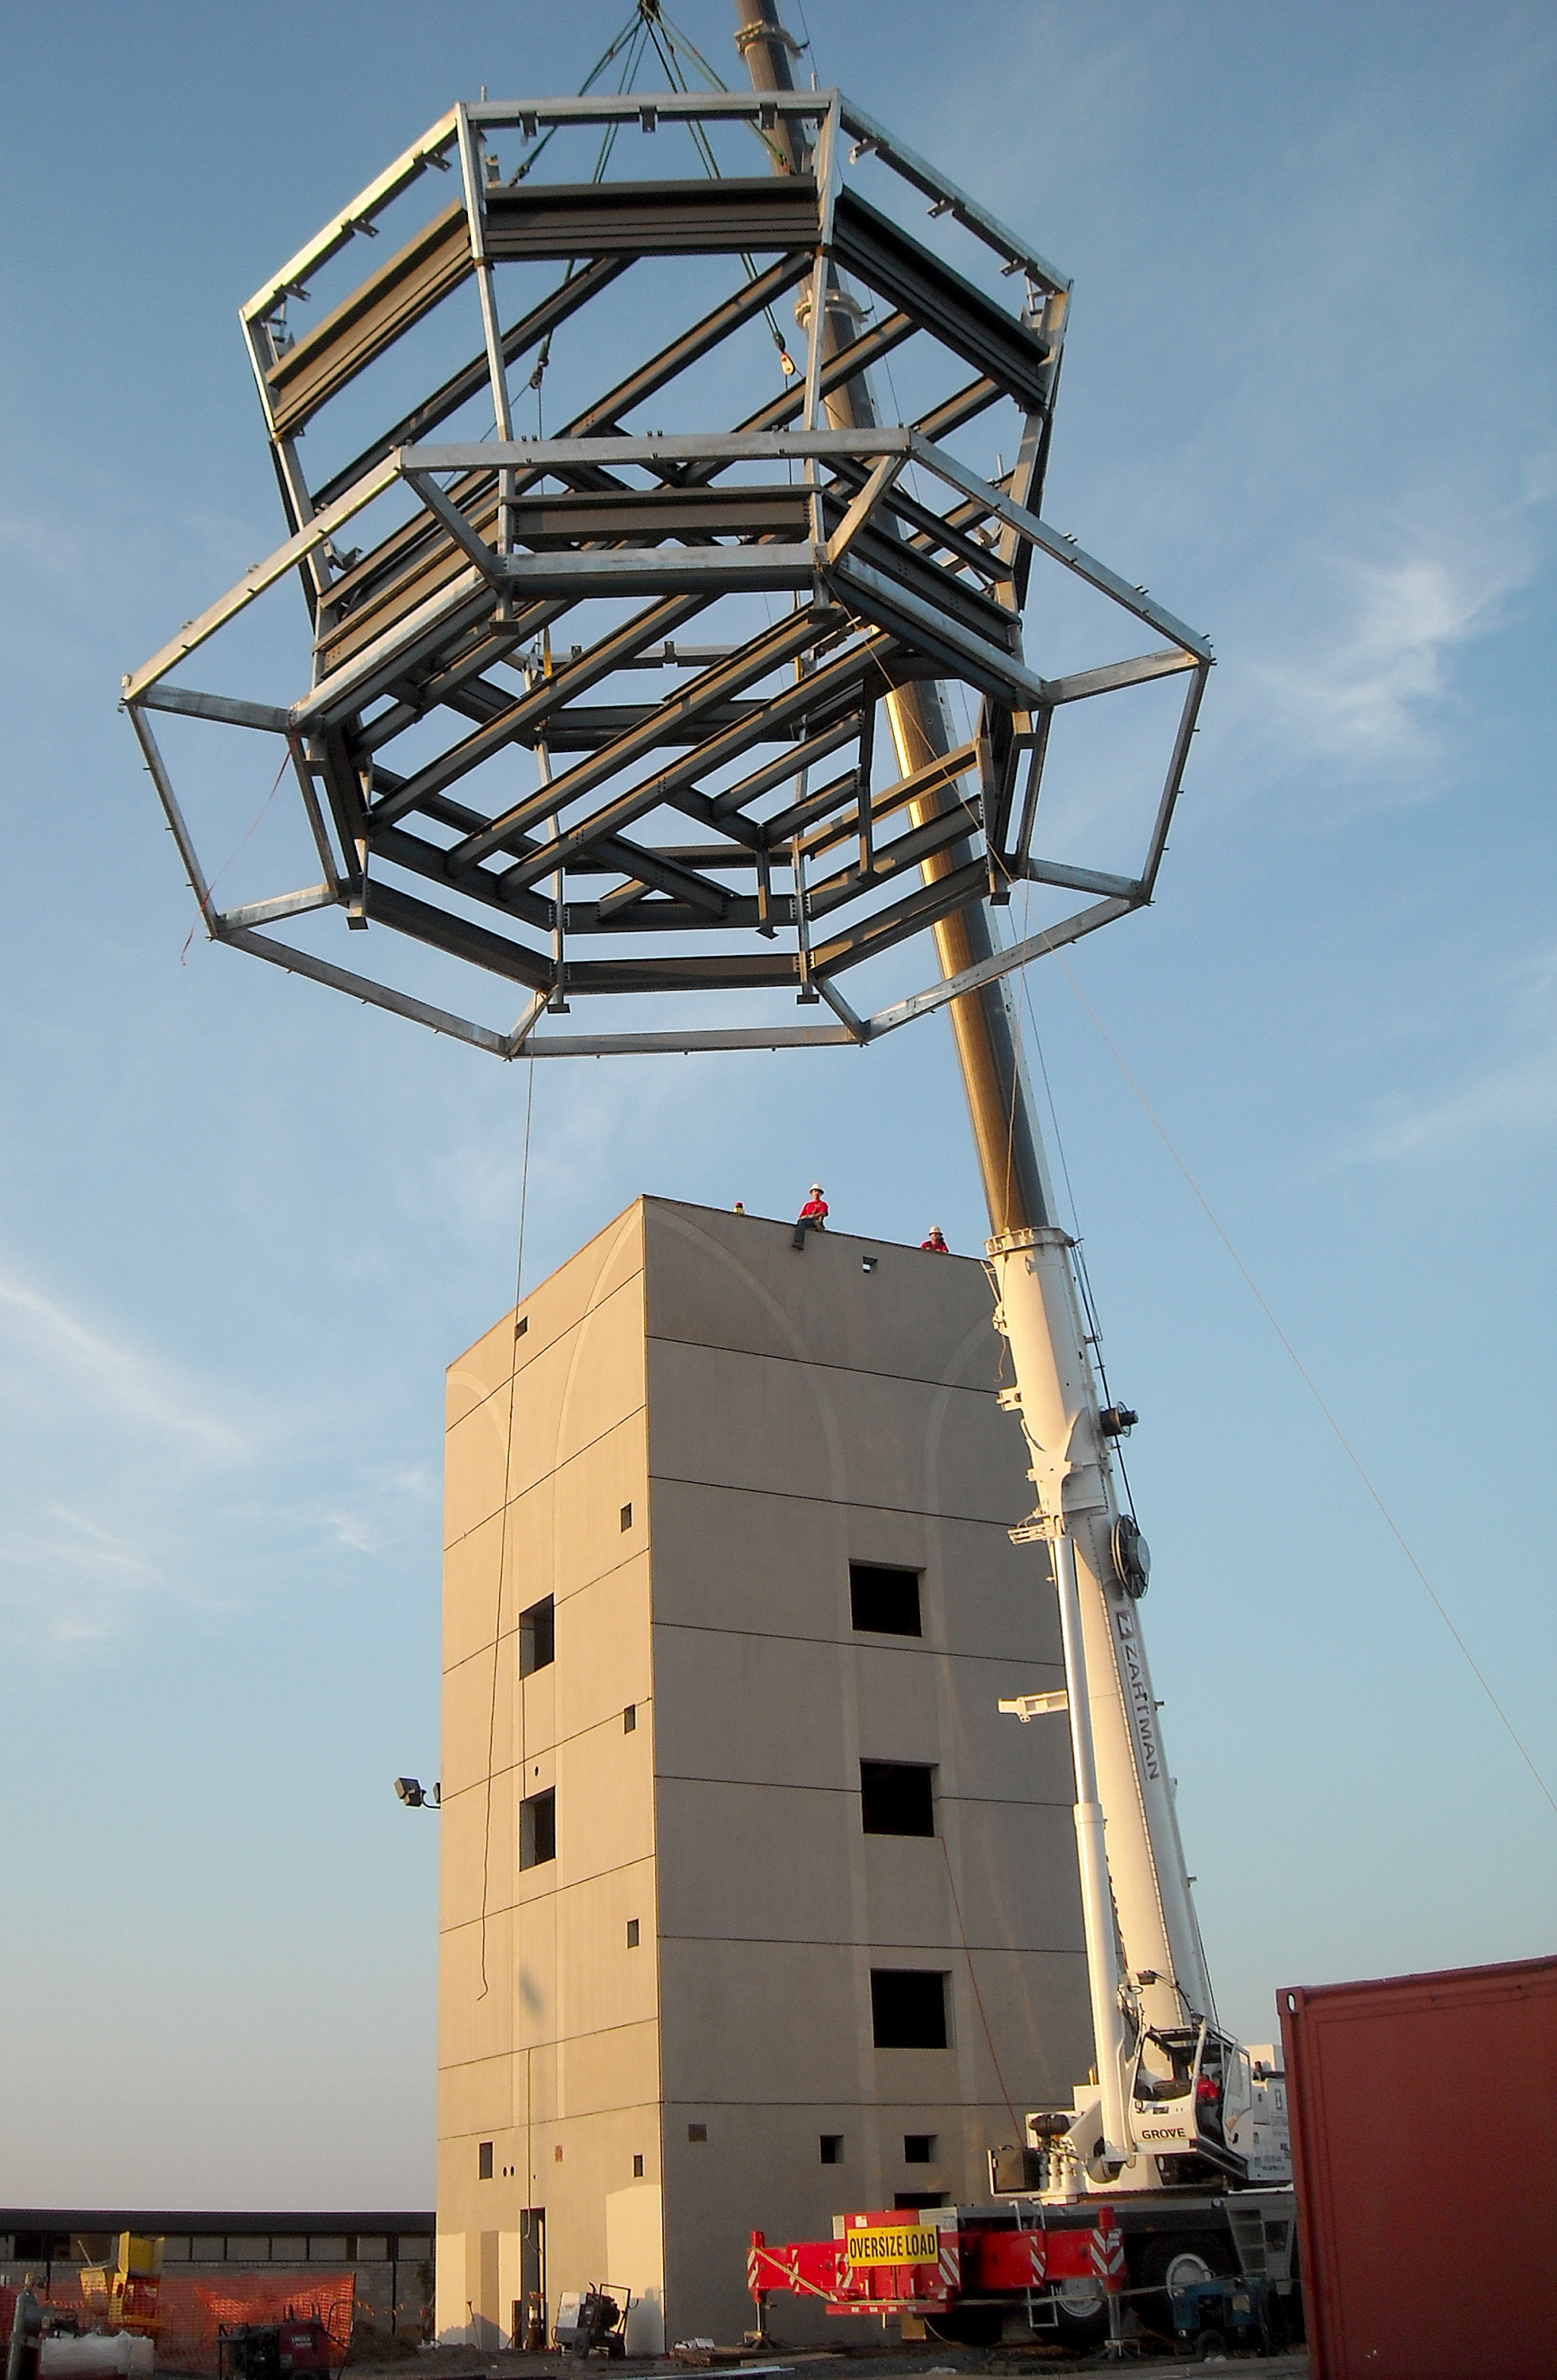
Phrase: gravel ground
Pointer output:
(886, 2362)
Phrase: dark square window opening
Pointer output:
(832, 2148)
(697, 2132)
(632, 1933)
(538, 1636)
(918, 2148)
(537, 1830)
(908, 2007)
(897, 1797)
(915, 2198)
(483, 2161)
(521, 1325)
(884, 1602)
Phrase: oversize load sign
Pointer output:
(896, 2244)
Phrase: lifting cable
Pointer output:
(978, 1996)
(632, 36)
(1347, 1449)
(204, 908)
(503, 1534)
(1301, 1369)
(676, 46)
(646, 24)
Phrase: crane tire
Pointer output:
(1081, 2332)
(1174, 2263)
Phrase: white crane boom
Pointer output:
(1171, 2090)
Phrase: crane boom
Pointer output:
(1146, 1966)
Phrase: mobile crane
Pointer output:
(1157, 2172)
(1178, 2137)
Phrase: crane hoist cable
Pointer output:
(677, 43)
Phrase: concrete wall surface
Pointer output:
(694, 1434)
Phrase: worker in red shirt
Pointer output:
(813, 1217)
(935, 1243)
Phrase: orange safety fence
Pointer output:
(189, 2311)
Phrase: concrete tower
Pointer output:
(753, 1910)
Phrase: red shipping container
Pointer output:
(1424, 2152)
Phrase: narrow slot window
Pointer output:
(632, 1933)
(483, 2161)
(538, 1636)
(537, 1830)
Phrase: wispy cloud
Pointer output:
(1367, 684)
(1513, 1097)
(112, 1456)
(111, 1373)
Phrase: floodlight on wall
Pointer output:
(415, 1797)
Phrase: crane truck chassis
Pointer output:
(1069, 2273)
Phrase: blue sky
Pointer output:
(244, 1224)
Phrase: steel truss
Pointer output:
(530, 592)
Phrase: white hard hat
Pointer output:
(815, 1189)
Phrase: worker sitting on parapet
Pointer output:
(935, 1243)
(812, 1216)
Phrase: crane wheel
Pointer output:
(1176, 2263)
(1081, 2332)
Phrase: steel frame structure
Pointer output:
(519, 580)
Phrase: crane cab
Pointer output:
(1190, 2091)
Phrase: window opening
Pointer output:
(483, 2161)
(832, 2148)
(537, 1830)
(538, 1636)
(916, 2198)
(637, 2168)
(632, 1933)
(626, 1516)
(908, 2008)
(897, 1797)
(629, 1718)
(697, 2132)
(918, 2148)
(884, 1602)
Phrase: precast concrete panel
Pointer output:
(695, 1433)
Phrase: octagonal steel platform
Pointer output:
(595, 712)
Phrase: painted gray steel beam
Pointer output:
(471, 379)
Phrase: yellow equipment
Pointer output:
(121, 2279)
